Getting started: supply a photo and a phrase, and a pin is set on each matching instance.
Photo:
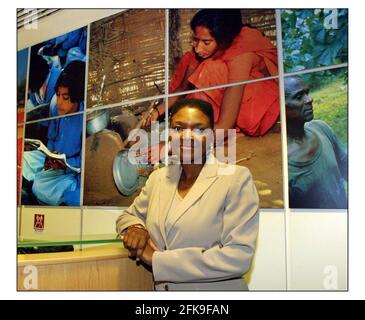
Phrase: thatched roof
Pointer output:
(129, 49)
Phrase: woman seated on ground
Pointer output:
(224, 51)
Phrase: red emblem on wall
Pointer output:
(39, 222)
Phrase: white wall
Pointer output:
(295, 251)
(268, 271)
(317, 251)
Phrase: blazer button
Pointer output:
(166, 287)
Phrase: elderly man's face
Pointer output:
(297, 101)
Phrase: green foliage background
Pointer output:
(330, 104)
(308, 44)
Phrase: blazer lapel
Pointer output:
(206, 177)
(168, 188)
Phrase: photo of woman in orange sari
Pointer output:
(226, 51)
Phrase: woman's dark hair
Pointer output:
(201, 105)
(73, 78)
(224, 24)
(38, 72)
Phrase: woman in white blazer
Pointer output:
(196, 224)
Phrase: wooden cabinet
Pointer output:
(104, 268)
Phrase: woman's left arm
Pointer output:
(239, 69)
(232, 258)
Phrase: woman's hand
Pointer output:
(153, 116)
(146, 255)
(135, 240)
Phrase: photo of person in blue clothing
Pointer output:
(67, 47)
(46, 180)
(47, 61)
(41, 83)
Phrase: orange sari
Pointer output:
(260, 106)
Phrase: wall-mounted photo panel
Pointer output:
(111, 179)
(127, 57)
(22, 66)
(52, 162)
(212, 47)
(314, 38)
(256, 126)
(19, 155)
(316, 119)
(57, 75)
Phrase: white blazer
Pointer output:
(211, 242)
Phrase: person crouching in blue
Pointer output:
(41, 86)
(53, 182)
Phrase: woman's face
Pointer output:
(189, 132)
(203, 42)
